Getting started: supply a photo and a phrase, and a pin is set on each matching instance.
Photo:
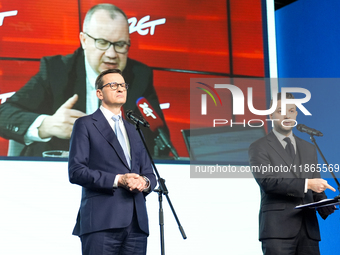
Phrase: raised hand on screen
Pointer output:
(60, 124)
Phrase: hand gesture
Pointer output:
(60, 124)
(319, 185)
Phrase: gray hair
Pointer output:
(110, 8)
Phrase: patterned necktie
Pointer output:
(289, 147)
(121, 138)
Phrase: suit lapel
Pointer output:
(104, 128)
(278, 148)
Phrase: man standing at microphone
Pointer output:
(109, 160)
(284, 230)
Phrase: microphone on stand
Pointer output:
(156, 123)
(308, 130)
(137, 119)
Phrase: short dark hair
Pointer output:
(99, 80)
(288, 96)
(110, 8)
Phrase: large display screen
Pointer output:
(178, 40)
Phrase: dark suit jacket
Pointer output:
(59, 78)
(282, 191)
(96, 157)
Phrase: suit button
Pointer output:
(16, 129)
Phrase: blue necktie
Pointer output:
(289, 147)
(121, 138)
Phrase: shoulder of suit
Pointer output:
(97, 115)
(129, 124)
(84, 118)
(261, 140)
(302, 141)
(134, 64)
(58, 61)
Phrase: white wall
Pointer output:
(39, 207)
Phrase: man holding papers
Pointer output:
(286, 180)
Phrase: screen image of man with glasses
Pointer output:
(40, 116)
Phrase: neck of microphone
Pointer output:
(308, 130)
(136, 119)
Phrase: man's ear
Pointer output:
(82, 40)
(99, 94)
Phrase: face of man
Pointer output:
(284, 122)
(112, 98)
(104, 27)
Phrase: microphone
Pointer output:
(137, 119)
(156, 123)
(308, 130)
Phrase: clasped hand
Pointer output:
(132, 182)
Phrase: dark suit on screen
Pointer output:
(96, 157)
(282, 191)
(59, 78)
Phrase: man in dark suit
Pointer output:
(108, 159)
(283, 170)
(41, 114)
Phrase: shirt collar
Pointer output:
(281, 136)
(108, 114)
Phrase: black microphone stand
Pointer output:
(324, 159)
(162, 190)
